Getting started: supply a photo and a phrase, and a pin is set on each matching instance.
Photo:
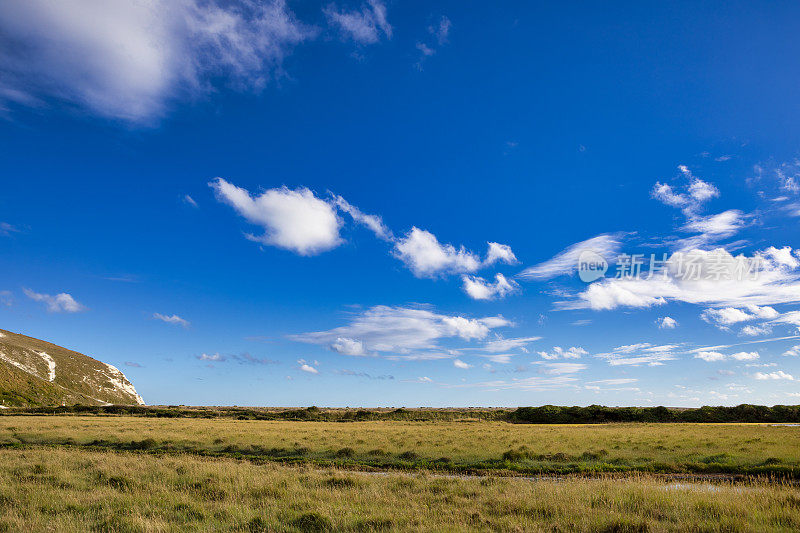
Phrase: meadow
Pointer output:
(455, 446)
(78, 490)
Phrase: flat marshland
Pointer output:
(467, 445)
(114, 473)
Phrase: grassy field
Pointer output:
(74, 489)
(451, 446)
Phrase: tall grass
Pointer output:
(452, 446)
(78, 490)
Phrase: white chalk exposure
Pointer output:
(51, 366)
(19, 365)
(120, 382)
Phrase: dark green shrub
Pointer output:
(312, 522)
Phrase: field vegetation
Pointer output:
(79, 490)
(452, 446)
(546, 414)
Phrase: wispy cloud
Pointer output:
(479, 289)
(7, 229)
(575, 352)
(439, 36)
(425, 256)
(366, 26)
(373, 222)
(305, 367)
(364, 375)
(172, 319)
(757, 280)
(128, 60)
(402, 331)
(241, 358)
(566, 262)
(694, 195)
(777, 375)
(60, 303)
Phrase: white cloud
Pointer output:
(412, 332)
(794, 351)
(127, 60)
(292, 219)
(7, 229)
(710, 356)
(174, 319)
(575, 352)
(499, 253)
(783, 256)
(346, 346)
(421, 379)
(696, 193)
(792, 317)
(479, 289)
(745, 356)
(6, 298)
(562, 368)
(639, 354)
(305, 367)
(442, 30)
(242, 359)
(504, 345)
(667, 195)
(709, 228)
(778, 375)
(189, 200)
(534, 383)
(691, 277)
(458, 363)
(666, 322)
(215, 357)
(713, 227)
(373, 222)
(363, 27)
(755, 331)
(425, 50)
(422, 253)
(566, 262)
(59, 303)
(702, 191)
(614, 381)
(727, 316)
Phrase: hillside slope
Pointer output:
(35, 372)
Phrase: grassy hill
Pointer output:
(34, 372)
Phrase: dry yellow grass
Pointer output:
(75, 490)
(649, 447)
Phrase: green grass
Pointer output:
(457, 446)
(131, 474)
(71, 490)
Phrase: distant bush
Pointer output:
(346, 452)
(599, 414)
(546, 414)
(312, 522)
(377, 452)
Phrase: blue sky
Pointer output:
(383, 203)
